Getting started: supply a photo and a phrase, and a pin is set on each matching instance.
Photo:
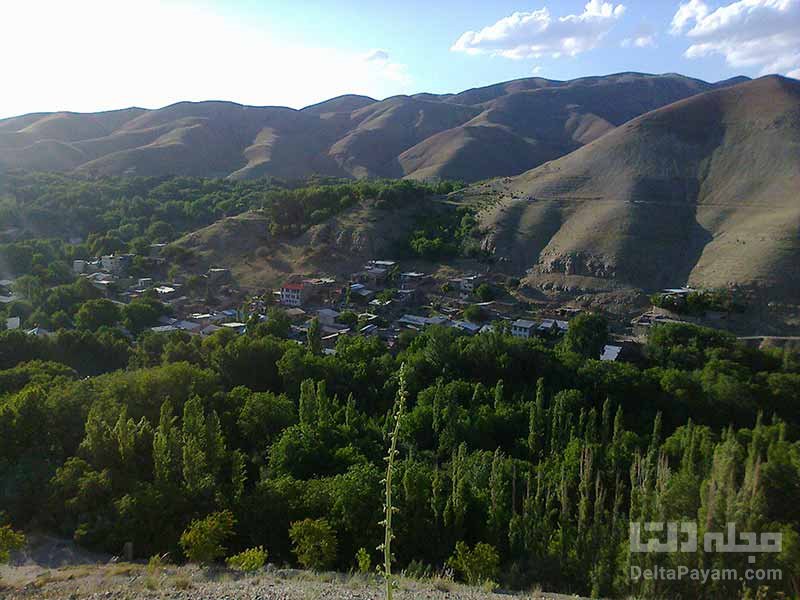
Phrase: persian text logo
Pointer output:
(682, 537)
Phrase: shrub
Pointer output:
(363, 561)
(202, 540)
(10, 540)
(248, 561)
(478, 565)
(314, 542)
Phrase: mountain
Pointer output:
(705, 190)
(502, 129)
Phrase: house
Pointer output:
(165, 291)
(411, 280)
(374, 276)
(295, 313)
(189, 326)
(297, 293)
(164, 329)
(522, 328)
(610, 353)
(383, 264)
(469, 283)
(8, 299)
(144, 283)
(417, 322)
(359, 290)
(79, 266)
(370, 329)
(116, 263)
(209, 329)
(12, 323)
(553, 326)
(467, 327)
(218, 276)
(293, 294)
(235, 327)
(327, 316)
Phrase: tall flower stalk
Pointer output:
(388, 507)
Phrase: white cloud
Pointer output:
(389, 69)
(643, 37)
(96, 54)
(537, 33)
(761, 34)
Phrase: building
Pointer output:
(469, 283)
(293, 294)
(383, 264)
(467, 327)
(327, 316)
(373, 276)
(12, 323)
(417, 322)
(297, 293)
(610, 353)
(553, 326)
(164, 329)
(522, 328)
(116, 263)
(411, 280)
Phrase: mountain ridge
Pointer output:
(520, 123)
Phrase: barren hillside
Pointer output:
(705, 191)
(502, 129)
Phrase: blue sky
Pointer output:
(89, 55)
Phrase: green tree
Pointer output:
(314, 337)
(314, 543)
(484, 292)
(278, 323)
(94, 314)
(587, 334)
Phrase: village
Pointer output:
(380, 299)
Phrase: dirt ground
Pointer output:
(55, 569)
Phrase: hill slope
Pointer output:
(703, 191)
(502, 129)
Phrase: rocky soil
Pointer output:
(136, 582)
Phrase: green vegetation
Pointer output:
(202, 541)
(514, 461)
(10, 541)
(248, 561)
(587, 334)
(505, 441)
(363, 561)
(700, 301)
(441, 232)
(478, 565)
(314, 543)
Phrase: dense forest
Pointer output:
(528, 457)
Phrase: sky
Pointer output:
(91, 55)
